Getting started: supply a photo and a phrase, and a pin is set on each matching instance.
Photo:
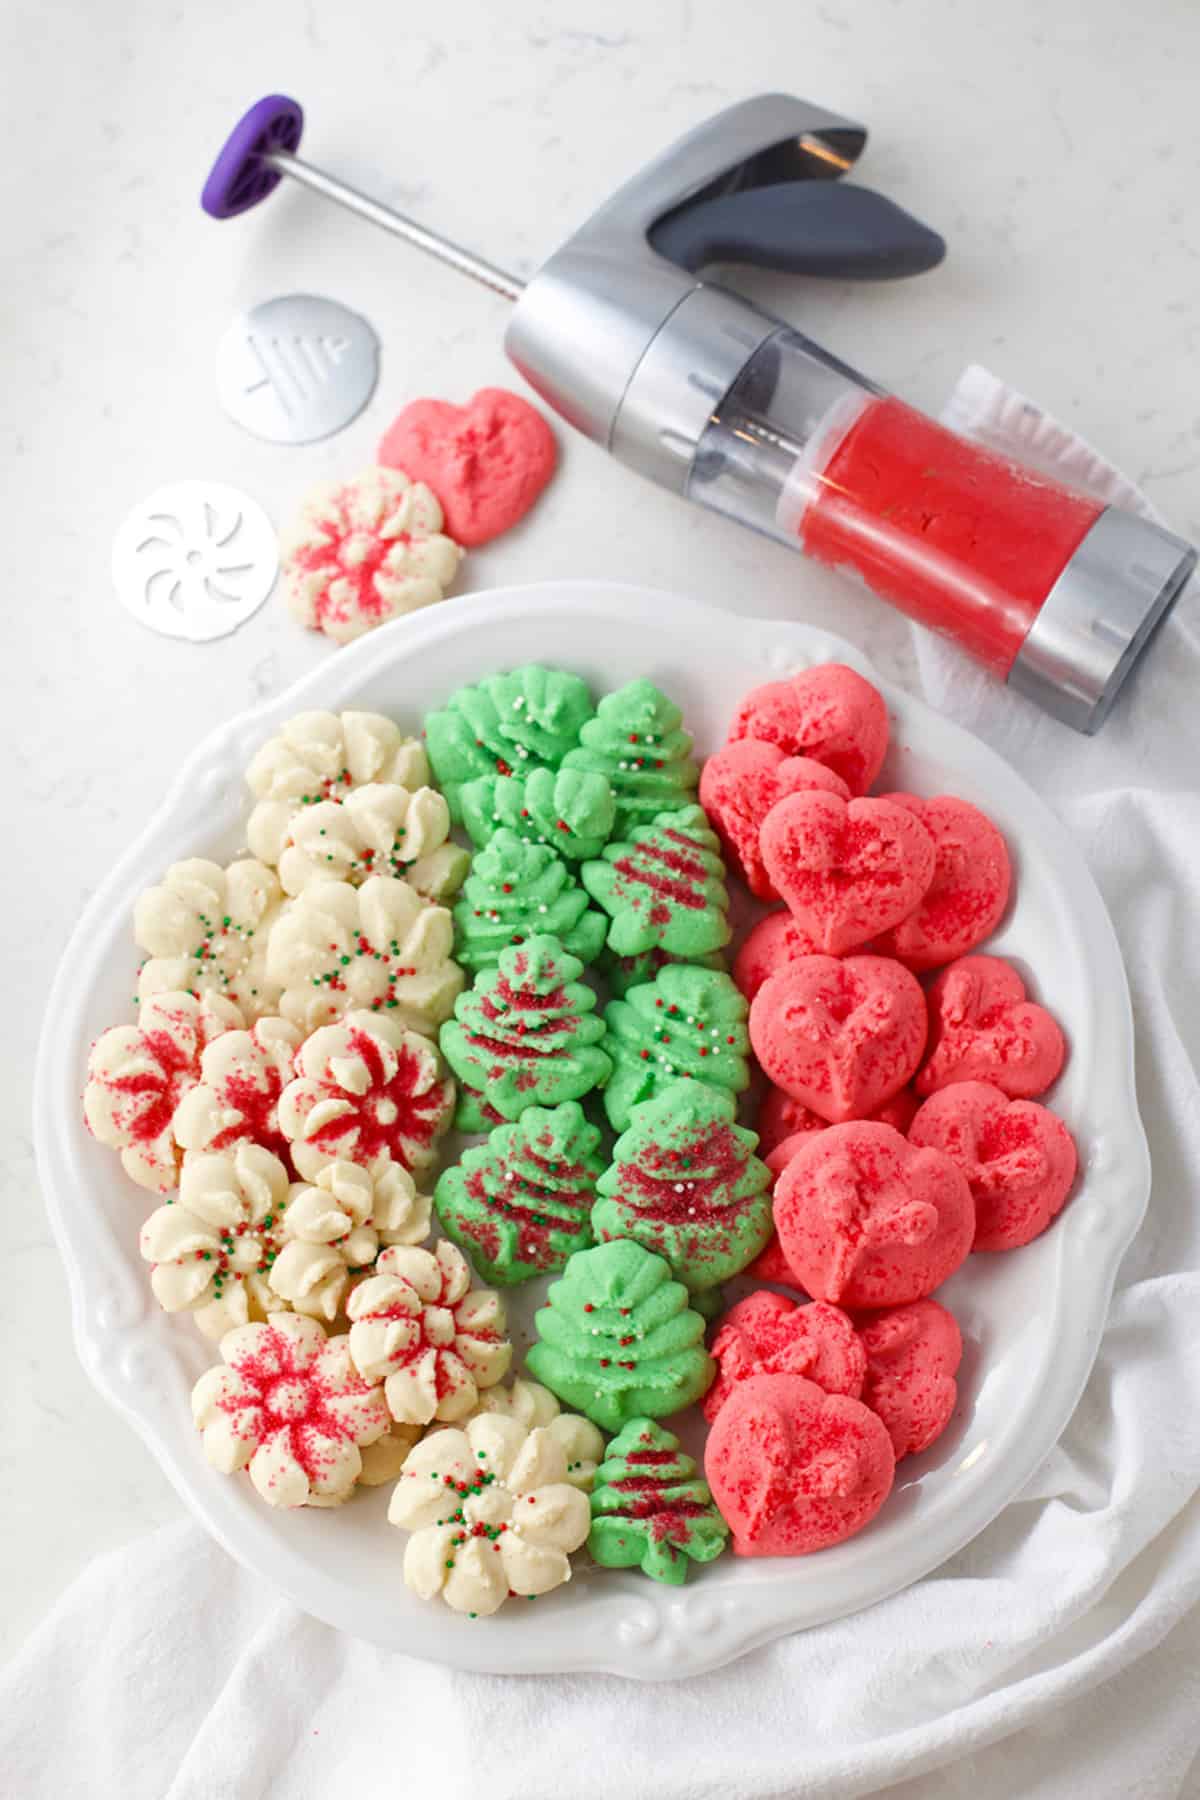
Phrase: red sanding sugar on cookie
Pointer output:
(774, 942)
(771, 1265)
(846, 870)
(840, 1035)
(982, 1028)
(966, 899)
(1018, 1157)
(487, 462)
(765, 1334)
(794, 1469)
(738, 787)
(866, 1219)
(830, 713)
(913, 1353)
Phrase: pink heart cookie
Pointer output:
(829, 713)
(738, 787)
(847, 870)
(793, 1469)
(1018, 1157)
(764, 1334)
(774, 942)
(866, 1219)
(913, 1353)
(842, 1036)
(487, 461)
(966, 899)
(982, 1028)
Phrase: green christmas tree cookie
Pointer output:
(525, 1034)
(568, 809)
(664, 889)
(685, 1182)
(686, 1024)
(520, 1204)
(516, 890)
(650, 1510)
(508, 724)
(635, 739)
(617, 1339)
(625, 972)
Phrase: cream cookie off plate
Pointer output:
(1031, 1322)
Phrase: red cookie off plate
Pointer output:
(1031, 1321)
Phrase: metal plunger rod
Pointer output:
(465, 261)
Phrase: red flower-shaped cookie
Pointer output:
(866, 1219)
(982, 1028)
(764, 1334)
(829, 713)
(966, 899)
(847, 870)
(738, 788)
(840, 1036)
(794, 1469)
(774, 942)
(913, 1353)
(1019, 1159)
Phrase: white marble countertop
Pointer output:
(1046, 146)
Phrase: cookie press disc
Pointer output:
(195, 560)
(297, 368)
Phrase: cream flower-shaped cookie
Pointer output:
(379, 829)
(320, 756)
(212, 1252)
(365, 1091)
(204, 930)
(138, 1074)
(381, 947)
(288, 1404)
(530, 1404)
(417, 1325)
(383, 1460)
(364, 551)
(242, 1074)
(491, 1513)
(332, 1228)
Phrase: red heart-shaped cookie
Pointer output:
(738, 787)
(765, 1334)
(793, 1469)
(829, 713)
(913, 1353)
(1018, 1157)
(774, 942)
(847, 870)
(866, 1219)
(780, 1119)
(842, 1036)
(966, 899)
(486, 462)
(982, 1028)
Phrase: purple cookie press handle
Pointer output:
(241, 175)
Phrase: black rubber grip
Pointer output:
(801, 228)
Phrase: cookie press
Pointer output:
(693, 386)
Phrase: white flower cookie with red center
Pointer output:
(287, 1404)
(491, 1512)
(204, 930)
(242, 1074)
(434, 1341)
(138, 1075)
(339, 949)
(365, 551)
(366, 1091)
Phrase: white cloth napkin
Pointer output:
(1052, 1658)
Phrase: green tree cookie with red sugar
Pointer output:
(521, 1204)
(650, 1510)
(525, 1035)
(517, 890)
(509, 724)
(636, 740)
(664, 889)
(686, 1024)
(685, 1182)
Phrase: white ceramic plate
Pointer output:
(1031, 1321)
